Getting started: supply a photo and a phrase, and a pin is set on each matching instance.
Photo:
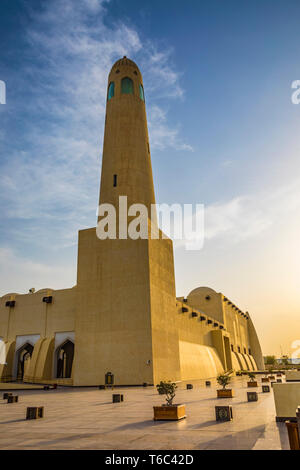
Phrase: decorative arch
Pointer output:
(24, 355)
(2, 351)
(64, 356)
(111, 91)
(127, 86)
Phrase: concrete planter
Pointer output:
(265, 379)
(169, 413)
(292, 376)
(272, 377)
(225, 393)
(287, 399)
(252, 384)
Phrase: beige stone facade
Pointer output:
(123, 316)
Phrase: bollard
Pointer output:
(252, 396)
(224, 413)
(35, 412)
(117, 398)
(6, 395)
(12, 399)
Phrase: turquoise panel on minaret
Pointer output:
(142, 96)
(111, 91)
(127, 86)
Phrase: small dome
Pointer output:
(45, 290)
(124, 61)
(202, 291)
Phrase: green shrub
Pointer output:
(223, 380)
(168, 389)
(270, 360)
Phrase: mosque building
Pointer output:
(122, 315)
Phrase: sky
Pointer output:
(223, 132)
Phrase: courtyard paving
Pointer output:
(86, 418)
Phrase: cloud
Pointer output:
(238, 219)
(227, 163)
(27, 274)
(247, 216)
(51, 171)
(161, 135)
(161, 77)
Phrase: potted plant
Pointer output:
(271, 376)
(170, 411)
(224, 380)
(265, 379)
(252, 382)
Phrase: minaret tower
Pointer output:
(126, 162)
(126, 304)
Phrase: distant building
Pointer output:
(290, 360)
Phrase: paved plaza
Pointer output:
(86, 418)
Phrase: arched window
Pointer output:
(111, 91)
(142, 96)
(64, 360)
(127, 86)
(23, 356)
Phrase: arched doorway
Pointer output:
(24, 355)
(64, 360)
